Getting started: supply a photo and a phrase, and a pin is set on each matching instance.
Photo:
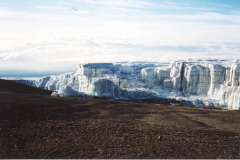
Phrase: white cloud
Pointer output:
(46, 7)
(143, 4)
(53, 41)
(205, 16)
(66, 54)
(120, 3)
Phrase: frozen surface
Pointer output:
(192, 82)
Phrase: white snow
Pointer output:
(193, 82)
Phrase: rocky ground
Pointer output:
(41, 126)
(10, 86)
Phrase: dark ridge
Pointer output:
(10, 86)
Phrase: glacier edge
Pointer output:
(197, 83)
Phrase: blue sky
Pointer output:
(53, 36)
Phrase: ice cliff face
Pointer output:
(197, 83)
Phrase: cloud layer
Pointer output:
(57, 36)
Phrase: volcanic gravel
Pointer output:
(14, 87)
(38, 126)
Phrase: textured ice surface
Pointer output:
(193, 82)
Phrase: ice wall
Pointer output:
(212, 80)
(208, 83)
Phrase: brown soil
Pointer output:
(35, 126)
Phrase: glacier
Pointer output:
(193, 82)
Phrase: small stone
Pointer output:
(160, 138)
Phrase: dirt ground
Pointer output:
(38, 126)
(13, 87)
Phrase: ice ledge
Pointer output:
(193, 82)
